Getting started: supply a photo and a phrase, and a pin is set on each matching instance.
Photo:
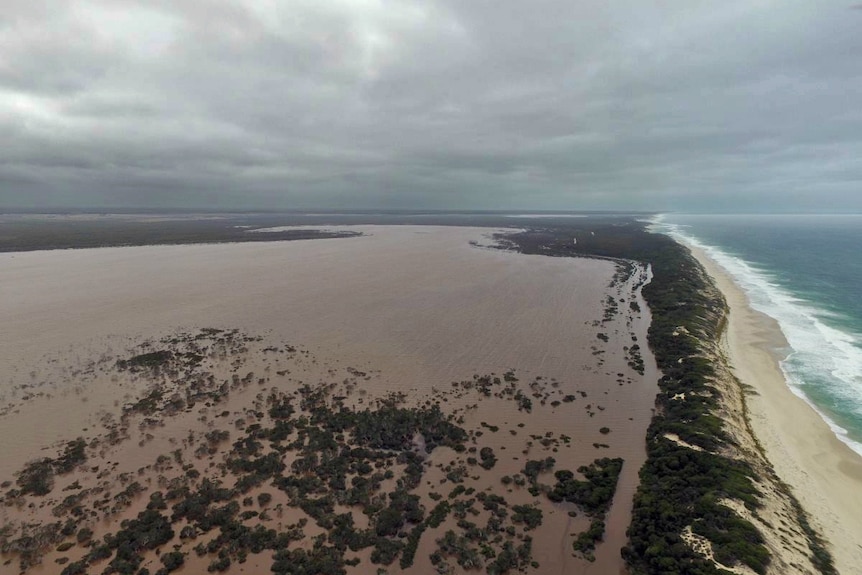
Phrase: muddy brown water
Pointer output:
(419, 306)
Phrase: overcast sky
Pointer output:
(751, 105)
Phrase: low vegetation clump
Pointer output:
(534, 467)
(487, 457)
(151, 360)
(72, 456)
(595, 492)
(37, 477)
(529, 515)
(593, 495)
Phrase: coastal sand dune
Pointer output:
(420, 307)
(824, 473)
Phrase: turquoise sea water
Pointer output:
(806, 272)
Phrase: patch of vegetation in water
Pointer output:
(150, 360)
(329, 461)
(351, 472)
(593, 495)
(595, 492)
(37, 477)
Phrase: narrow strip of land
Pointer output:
(823, 472)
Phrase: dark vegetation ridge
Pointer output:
(52, 233)
(680, 487)
(27, 232)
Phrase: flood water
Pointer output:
(420, 304)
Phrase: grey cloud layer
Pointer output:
(448, 104)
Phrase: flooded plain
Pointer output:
(417, 308)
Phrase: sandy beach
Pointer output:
(414, 310)
(823, 473)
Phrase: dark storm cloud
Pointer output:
(447, 104)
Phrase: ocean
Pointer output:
(805, 271)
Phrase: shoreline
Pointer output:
(823, 472)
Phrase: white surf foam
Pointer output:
(817, 354)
